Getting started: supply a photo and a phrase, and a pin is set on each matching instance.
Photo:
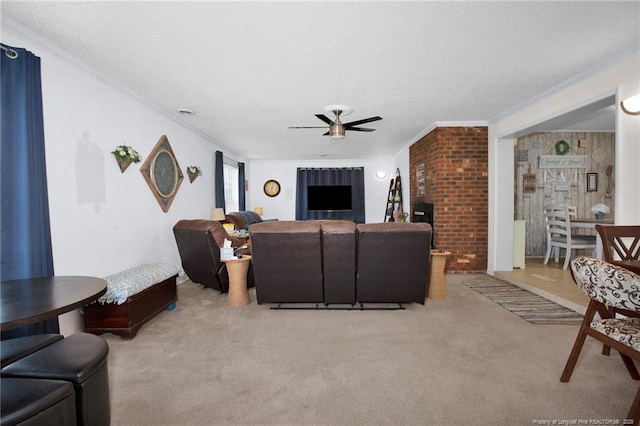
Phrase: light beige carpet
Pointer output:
(460, 361)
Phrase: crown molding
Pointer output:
(40, 43)
(622, 56)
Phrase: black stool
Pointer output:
(12, 350)
(80, 359)
(37, 402)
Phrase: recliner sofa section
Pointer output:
(339, 262)
(199, 242)
(393, 262)
(287, 262)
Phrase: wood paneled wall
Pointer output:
(535, 186)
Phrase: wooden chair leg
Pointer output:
(579, 343)
(631, 367)
(567, 258)
(607, 312)
(634, 411)
(548, 255)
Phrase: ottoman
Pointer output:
(12, 350)
(37, 402)
(80, 359)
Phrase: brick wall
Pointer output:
(456, 171)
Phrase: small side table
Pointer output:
(237, 269)
(437, 284)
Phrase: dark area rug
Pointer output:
(528, 306)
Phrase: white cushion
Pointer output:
(124, 284)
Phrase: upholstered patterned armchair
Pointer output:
(612, 289)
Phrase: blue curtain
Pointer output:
(25, 230)
(353, 176)
(241, 195)
(219, 177)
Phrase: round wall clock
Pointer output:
(271, 188)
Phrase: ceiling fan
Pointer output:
(336, 127)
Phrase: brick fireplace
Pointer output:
(452, 164)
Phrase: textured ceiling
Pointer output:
(252, 69)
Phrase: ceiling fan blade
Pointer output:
(359, 129)
(307, 127)
(365, 120)
(325, 134)
(324, 118)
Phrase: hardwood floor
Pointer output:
(549, 281)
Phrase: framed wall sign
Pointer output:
(421, 180)
(592, 182)
(563, 161)
(162, 173)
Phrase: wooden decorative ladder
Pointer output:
(394, 199)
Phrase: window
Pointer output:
(231, 190)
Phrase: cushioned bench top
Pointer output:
(124, 284)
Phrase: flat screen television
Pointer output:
(328, 197)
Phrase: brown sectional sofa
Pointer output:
(339, 262)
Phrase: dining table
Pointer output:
(30, 300)
(590, 222)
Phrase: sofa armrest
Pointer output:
(243, 219)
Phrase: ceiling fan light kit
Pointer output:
(337, 129)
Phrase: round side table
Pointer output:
(437, 284)
(237, 269)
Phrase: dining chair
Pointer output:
(621, 245)
(572, 211)
(559, 236)
(609, 286)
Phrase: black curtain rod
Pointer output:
(9, 51)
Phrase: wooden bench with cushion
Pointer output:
(133, 297)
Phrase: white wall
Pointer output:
(619, 78)
(104, 221)
(283, 206)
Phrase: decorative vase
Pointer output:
(123, 163)
(192, 177)
(599, 215)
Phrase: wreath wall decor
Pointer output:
(562, 148)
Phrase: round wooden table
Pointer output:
(237, 269)
(437, 284)
(27, 301)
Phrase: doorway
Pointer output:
(587, 130)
